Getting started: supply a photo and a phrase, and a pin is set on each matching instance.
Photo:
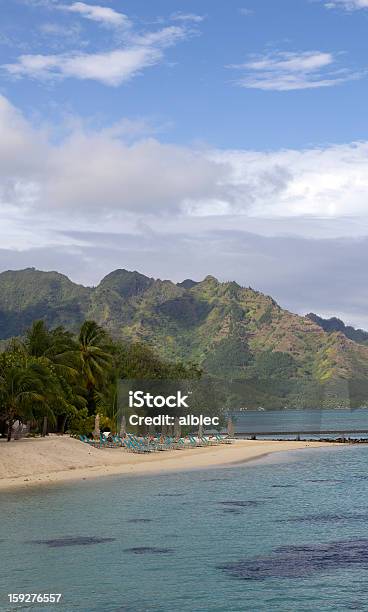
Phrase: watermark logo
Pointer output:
(140, 399)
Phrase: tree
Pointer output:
(57, 350)
(56, 346)
(138, 361)
(24, 387)
(95, 359)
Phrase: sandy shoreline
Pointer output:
(55, 459)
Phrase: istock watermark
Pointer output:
(140, 399)
(158, 403)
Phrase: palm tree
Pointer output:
(95, 355)
(37, 341)
(56, 346)
(23, 391)
(56, 350)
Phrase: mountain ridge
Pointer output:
(228, 329)
(335, 324)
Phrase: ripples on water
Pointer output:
(273, 536)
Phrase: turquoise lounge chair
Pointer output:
(195, 443)
(175, 444)
(208, 442)
(94, 443)
(223, 439)
(134, 448)
(138, 444)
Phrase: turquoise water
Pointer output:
(288, 533)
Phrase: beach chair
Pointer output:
(105, 443)
(174, 444)
(153, 443)
(162, 443)
(223, 439)
(181, 443)
(134, 448)
(94, 443)
(195, 442)
(138, 444)
(208, 442)
(117, 440)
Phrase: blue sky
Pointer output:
(192, 91)
(188, 138)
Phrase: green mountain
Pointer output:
(232, 331)
(334, 324)
(26, 295)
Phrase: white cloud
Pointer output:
(246, 12)
(101, 14)
(325, 183)
(56, 29)
(143, 177)
(134, 51)
(287, 71)
(110, 68)
(104, 174)
(187, 17)
(291, 223)
(349, 5)
(162, 38)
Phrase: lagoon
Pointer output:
(284, 533)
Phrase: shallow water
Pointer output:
(285, 533)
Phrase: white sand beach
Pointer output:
(56, 459)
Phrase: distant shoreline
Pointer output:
(59, 459)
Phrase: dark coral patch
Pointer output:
(236, 506)
(243, 503)
(326, 480)
(326, 518)
(149, 550)
(73, 541)
(170, 494)
(301, 561)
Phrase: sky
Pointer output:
(187, 138)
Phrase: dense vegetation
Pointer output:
(59, 380)
(232, 332)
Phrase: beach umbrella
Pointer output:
(200, 431)
(18, 430)
(177, 428)
(96, 432)
(123, 427)
(44, 426)
(230, 428)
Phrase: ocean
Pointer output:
(302, 422)
(284, 533)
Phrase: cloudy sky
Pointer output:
(186, 138)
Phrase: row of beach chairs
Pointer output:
(149, 444)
